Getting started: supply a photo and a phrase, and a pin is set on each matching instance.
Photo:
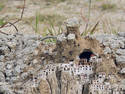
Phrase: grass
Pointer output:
(1, 6)
(55, 1)
(89, 29)
(36, 23)
(56, 19)
(108, 6)
(2, 22)
(107, 26)
(52, 31)
(52, 24)
(50, 21)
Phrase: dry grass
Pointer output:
(56, 11)
(108, 6)
(55, 1)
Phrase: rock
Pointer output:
(120, 52)
(35, 61)
(107, 50)
(14, 79)
(61, 37)
(2, 66)
(24, 75)
(72, 22)
(122, 71)
(2, 77)
(122, 84)
(71, 37)
(4, 89)
(9, 66)
(8, 72)
(18, 69)
(36, 52)
(120, 59)
(116, 44)
(11, 44)
(111, 41)
(121, 34)
(2, 58)
(4, 50)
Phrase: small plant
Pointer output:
(52, 31)
(108, 6)
(89, 29)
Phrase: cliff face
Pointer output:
(31, 66)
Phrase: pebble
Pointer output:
(107, 50)
(71, 37)
(120, 52)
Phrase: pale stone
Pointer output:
(120, 52)
(71, 37)
(72, 22)
(107, 50)
(61, 37)
(122, 71)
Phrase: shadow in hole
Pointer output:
(86, 54)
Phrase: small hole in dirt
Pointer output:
(86, 54)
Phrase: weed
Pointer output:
(53, 27)
(52, 31)
(88, 28)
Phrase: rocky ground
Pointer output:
(23, 56)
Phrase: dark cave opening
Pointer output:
(86, 54)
